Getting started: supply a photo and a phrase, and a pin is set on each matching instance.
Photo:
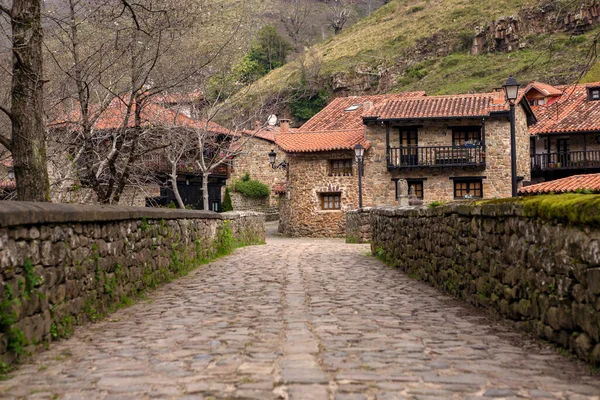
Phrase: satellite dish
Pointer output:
(272, 121)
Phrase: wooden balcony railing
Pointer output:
(436, 156)
(566, 160)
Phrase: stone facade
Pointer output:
(542, 275)
(437, 185)
(309, 174)
(65, 264)
(308, 178)
(254, 160)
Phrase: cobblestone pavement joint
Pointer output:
(298, 319)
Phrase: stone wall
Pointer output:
(64, 264)
(254, 160)
(542, 275)
(263, 205)
(358, 226)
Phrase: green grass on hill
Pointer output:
(390, 33)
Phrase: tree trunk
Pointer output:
(28, 135)
(205, 190)
(173, 179)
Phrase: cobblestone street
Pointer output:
(298, 319)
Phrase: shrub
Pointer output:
(435, 204)
(227, 204)
(251, 188)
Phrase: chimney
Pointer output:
(284, 125)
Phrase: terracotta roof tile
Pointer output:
(450, 106)
(267, 133)
(8, 184)
(279, 188)
(152, 115)
(564, 185)
(334, 117)
(572, 112)
(544, 88)
(307, 142)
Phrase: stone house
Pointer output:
(566, 139)
(443, 147)
(253, 160)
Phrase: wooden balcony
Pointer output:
(566, 160)
(436, 156)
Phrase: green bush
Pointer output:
(250, 188)
(227, 204)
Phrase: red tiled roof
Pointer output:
(572, 112)
(152, 115)
(8, 184)
(334, 116)
(307, 142)
(450, 106)
(279, 188)
(267, 133)
(7, 162)
(564, 185)
(544, 88)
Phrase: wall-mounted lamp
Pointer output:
(273, 159)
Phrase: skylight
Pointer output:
(353, 107)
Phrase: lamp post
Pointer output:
(359, 151)
(511, 92)
(273, 158)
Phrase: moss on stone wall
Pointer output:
(578, 209)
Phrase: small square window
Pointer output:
(594, 93)
(417, 188)
(468, 189)
(331, 201)
(341, 167)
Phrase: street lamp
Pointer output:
(511, 92)
(359, 151)
(273, 158)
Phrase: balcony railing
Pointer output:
(436, 156)
(566, 160)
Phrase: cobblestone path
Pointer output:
(298, 319)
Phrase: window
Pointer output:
(468, 188)
(341, 167)
(331, 201)
(462, 135)
(594, 93)
(416, 186)
(537, 102)
(353, 107)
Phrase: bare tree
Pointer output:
(28, 142)
(139, 59)
(294, 18)
(338, 13)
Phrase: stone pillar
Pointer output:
(403, 192)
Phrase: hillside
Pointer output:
(428, 45)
